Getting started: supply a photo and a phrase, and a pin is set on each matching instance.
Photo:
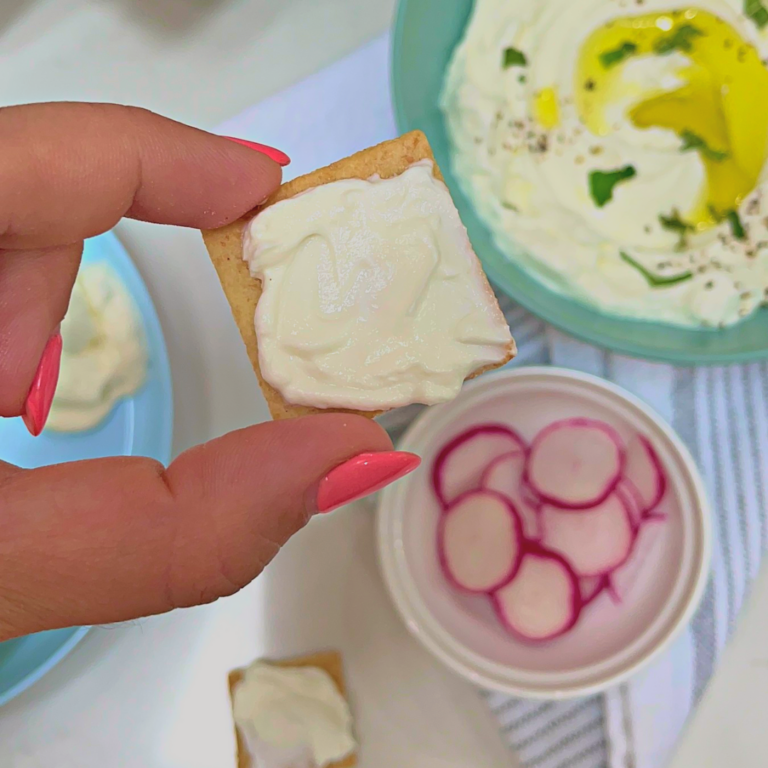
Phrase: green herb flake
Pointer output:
(737, 228)
(514, 58)
(673, 223)
(656, 281)
(617, 55)
(733, 219)
(692, 140)
(756, 11)
(601, 183)
(680, 40)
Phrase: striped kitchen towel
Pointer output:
(722, 414)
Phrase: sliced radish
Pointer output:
(632, 501)
(480, 541)
(542, 601)
(594, 541)
(532, 499)
(461, 461)
(575, 463)
(505, 476)
(644, 472)
(590, 587)
(624, 579)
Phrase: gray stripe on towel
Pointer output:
(568, 741)
(629, 729)
(528, 714)
(751, 372)
(721, 503)
(704, 634)
(738, 468)
(703, 623)
(762, 375)
(560, 719)
(594, 756)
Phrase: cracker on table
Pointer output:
(391, 158)
(330, 662)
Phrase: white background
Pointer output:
(153, 694)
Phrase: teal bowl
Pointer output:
(425, 34)
(25, 660)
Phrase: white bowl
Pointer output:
(610, 642)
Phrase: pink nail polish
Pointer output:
(361, 475)
(274, 154)
(38, 402)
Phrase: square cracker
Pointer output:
(330, 662)
(243, 291)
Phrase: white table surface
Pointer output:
(153, 693)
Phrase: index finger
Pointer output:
(71, 171)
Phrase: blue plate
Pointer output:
(141, 425)
(425, 34)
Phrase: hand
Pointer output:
(100, 541)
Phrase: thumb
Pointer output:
(101, 541)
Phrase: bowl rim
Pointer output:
(458, 657)
(76, 634)
(583, 332)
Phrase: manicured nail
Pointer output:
(274, 154)
(38, 403)
(364, 474)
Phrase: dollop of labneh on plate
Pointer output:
(104, 356)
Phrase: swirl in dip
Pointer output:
(617, 148)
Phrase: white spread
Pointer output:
(292, 714)
(539, 95)
(372, 297)
(103, 356)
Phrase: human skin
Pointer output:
(94, 542)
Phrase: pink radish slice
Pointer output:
(461, 461)
(644, 471)
(575, 463)
(480, 541)
(531, 497)
(594, 541)
(590, 587)
(542, 602)
(632, 501)
(623, 579)
(505, 476)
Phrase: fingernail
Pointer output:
(364, 474)
(274, 154)
(38, 403)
